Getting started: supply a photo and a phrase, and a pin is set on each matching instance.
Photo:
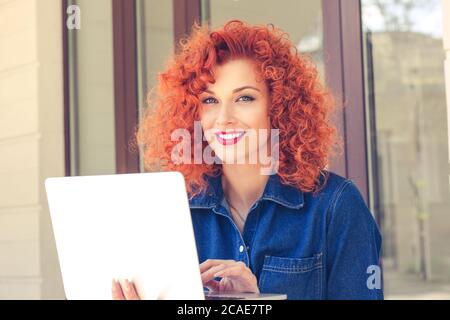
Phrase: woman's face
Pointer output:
(233, 110)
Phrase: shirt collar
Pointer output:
(275, 191)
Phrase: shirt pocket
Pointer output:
(298, 278)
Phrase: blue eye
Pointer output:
(250, 99)
(205, 100)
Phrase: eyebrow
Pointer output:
(237, 89)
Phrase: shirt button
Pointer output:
(241, 249)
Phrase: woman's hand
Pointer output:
(236, 276)
(124, 290)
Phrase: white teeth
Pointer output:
(230, 136)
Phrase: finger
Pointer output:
(129, 290)
(237, 270)
(224, 285)
(207, 264)
(213, 285)
(117, 293)
(208, 275)
(241, 274)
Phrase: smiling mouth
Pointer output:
(229, 138)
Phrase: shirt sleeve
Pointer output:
(353, 269)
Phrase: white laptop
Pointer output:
(135, 226)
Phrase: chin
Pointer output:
(238, 159)
(231, 157)
(230, 160)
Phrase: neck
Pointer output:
(243, 185)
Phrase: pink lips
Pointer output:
(230, 137)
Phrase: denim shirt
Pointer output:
(324, 246)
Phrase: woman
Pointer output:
(286, 225)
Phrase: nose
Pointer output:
(225, 116)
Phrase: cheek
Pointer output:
(206, 120)
(256, 118)
(207, 124)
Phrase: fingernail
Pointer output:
(218, 274)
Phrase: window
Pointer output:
(405, 94)
(302, 20)
(91, 90)
(155, 42)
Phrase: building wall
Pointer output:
(31, 145)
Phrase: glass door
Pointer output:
(409, 144)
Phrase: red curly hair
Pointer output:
(299, 105)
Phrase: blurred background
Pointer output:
(74, 76)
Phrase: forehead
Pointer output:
(238, 72)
